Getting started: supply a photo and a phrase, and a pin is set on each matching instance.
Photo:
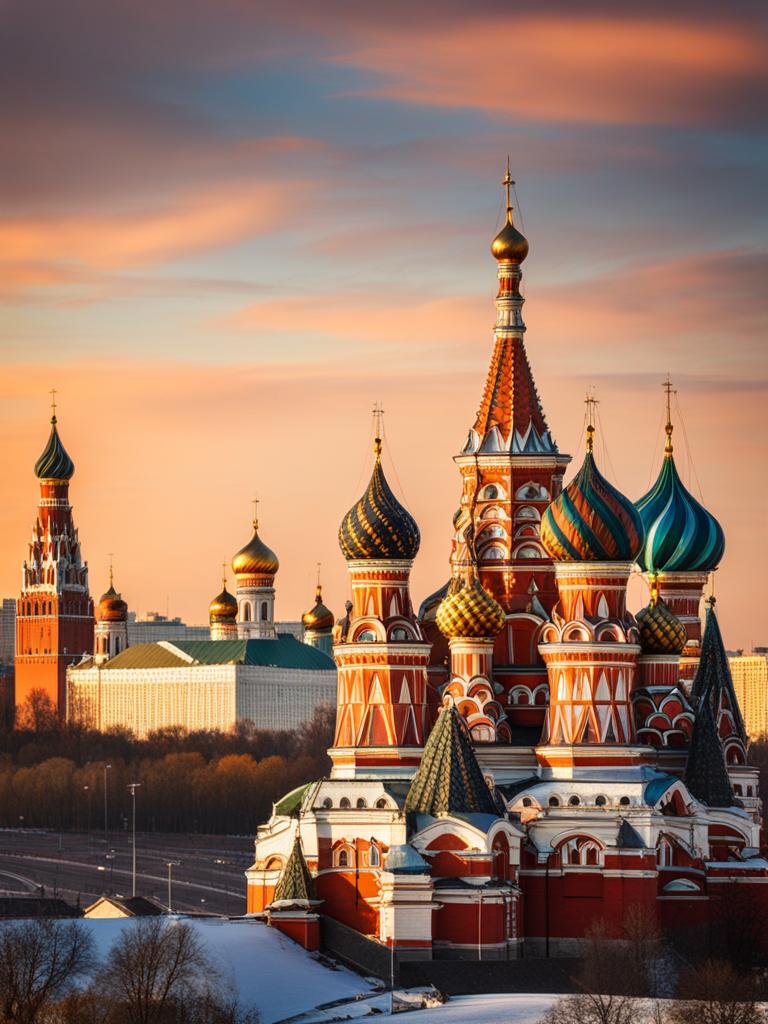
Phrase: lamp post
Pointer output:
(171, 864)
(106, 811)
(133, 786)
(111, 858)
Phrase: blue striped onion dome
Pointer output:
(591, 521)
(377, 526)
(680, 535)
(470, 612)
(54, 463)
(661, 632)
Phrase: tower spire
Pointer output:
(111, 569)
(669, 390)
(255, 503)
(508, 184)
(52, 393)
(378, 424)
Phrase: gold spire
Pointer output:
(255, 503)
(590, 401)
(667, 385)
(654, 581)
(111, 573)
(378, 414)
(509, 245)
(508, 184)
(52, 393)
(224, 575)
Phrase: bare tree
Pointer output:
(714, 992)
(38, 713)
(594, 1008)
(39, 962)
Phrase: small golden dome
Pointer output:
(318, 617)
(255, 559)
(470, 612)
(661, 632)
(111, 607)
(223, 608)
(510, 244)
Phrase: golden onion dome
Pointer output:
(318, 616)
(661, 632)
(111, 606)
(255, 559)
(223, 608)
(510, 244)
(470, 612)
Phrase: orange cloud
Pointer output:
(193, 222)
(566, 68)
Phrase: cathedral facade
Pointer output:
(524, 756)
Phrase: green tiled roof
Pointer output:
(291, 802)
(449, 779)
(284, 652)
(295, 882)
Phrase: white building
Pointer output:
(209, 684)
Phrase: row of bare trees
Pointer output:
(55, 776)
(155, 972)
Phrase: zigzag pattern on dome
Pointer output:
(378, 526)
(54, 463)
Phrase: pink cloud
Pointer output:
(576, 67)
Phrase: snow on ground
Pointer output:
(269, 971)
(485, 1009)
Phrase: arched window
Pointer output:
(527, 802)
(246, 615)
(580, 851)
(625, 801)
(381, 803)
(490, 493)
(554, 801)
(361, 803)
(264, 611)
(573, 801)
(527, 512)
(528, 551)
(399, 634)
(600, 801)
(344, 803)
(494, 553)
(374, 857)
(366, 637)
(665, 854)
(342, 859)
(327, 803)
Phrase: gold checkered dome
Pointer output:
(470, 612)
(661, 632)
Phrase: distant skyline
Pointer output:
(227, 229)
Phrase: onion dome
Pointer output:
(470, 612)
(661, 632)
(111, 606)
(680, 534)
(54, 463)
(509, 244)
(428, 607)
(223, 608)
(377, 527)
(591, 521)
(255, 559)
(318, 616)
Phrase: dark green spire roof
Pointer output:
(295, 883)
(713, 677)
(706, 775)
(54, 463)
(449, 779)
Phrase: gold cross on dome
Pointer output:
(508, 184)
(255, 503)
(53, 393)
(378, 423)
(591, 402)
(667, 385)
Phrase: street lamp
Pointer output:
(107, 767)
(133, 786)
(87, 791)
(170, 864)
(111, 858)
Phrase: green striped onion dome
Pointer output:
(661, 632)
(377, 526)
(54, 463)
(591, 521)
(470, 612)
(680, 535)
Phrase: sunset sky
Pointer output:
(228, 227)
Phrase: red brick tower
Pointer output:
(54, 614)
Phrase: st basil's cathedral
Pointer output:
(524, 756)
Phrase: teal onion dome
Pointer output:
(591, 521)
(54, 463)
(680, 534)
(377, 526)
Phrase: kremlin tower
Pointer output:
(111, 632)
(54, 613)
(222, 613)
(255, 567)
(684, 543)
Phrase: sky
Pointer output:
(227, 228)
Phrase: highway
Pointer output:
(207, 875)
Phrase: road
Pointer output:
(77, 866)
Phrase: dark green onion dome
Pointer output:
(318, 616)
(680, 534)
(661, 632)
(449, 779)
(223, 608)
(470, 612)
(377, 527)
(54, 463)
(591, 521)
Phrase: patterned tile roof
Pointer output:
(449, 779)
(378, 526)
(706, 775)
(713, 678)
(295, 883)
(54, 463)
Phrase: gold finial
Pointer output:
(654, 581)
(712, 601)
(52, 393)
(224, 574)
(378, 414)
(110, 555)
(319, 590)
(667, 385)
(590, 401)
(508, 184)
(255, 503)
